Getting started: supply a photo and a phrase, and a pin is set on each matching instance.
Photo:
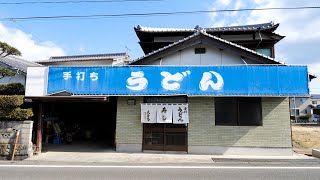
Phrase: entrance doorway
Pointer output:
(167, 136)
(79, 125)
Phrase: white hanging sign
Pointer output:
(148, 113)
(164, 113)
(180, 114)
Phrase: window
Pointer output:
(294, 112)
(266, 52)
(238, 111)
(303, 100)
(314, 102)
(200, 50)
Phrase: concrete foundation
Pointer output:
(316, 153)
(129, 147)
(247, 151)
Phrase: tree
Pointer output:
(6, 50)
(11, 95)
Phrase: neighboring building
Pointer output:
(221, 95)
(18, 64)
(303, 106)
(315, 111)
(300, 106)
(315, 100)
(88, 60)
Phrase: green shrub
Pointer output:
(4, 72)
(10, 110)
(306, 117)
(12, 89)
(11, 101)
(16, 114)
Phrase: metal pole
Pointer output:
(295, 111)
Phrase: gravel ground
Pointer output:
(305, 137)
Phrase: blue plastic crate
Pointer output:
(56, 140)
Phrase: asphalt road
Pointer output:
(155, 172)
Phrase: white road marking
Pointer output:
(155, 167)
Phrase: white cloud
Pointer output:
(82, 49)
(293, 23)
(29, 48)
(301, 28)
(315, 70)
(224, 2)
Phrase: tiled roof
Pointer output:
(254, 27)
(315, 96)
(211, 36)
(15, 62)
(112, 56)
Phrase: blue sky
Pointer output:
(41, 39)
(101, 35)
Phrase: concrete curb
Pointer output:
(316, 153)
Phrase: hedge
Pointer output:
(306, 117)
(16, 114)
(10, 110)
(12, 89)
(11, 101)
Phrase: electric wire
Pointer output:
(73, 2)
(149, 14)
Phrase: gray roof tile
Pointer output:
(112, 56)
(15, 62)
(254, 27)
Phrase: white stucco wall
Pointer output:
(213, 56)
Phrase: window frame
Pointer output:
(263, 51)
(293, 112)
(238, 113)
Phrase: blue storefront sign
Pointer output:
(181, 80)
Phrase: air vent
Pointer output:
(200, 50)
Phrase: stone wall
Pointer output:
(8, 131)
(272, 138)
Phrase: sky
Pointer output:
(38, 40)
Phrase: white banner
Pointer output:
(148, 113)
(164, 113)
(180, 114)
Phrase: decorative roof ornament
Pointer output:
(200, 29)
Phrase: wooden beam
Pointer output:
(39, 129)
(15, 145)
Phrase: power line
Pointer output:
(148, 14)
(74, 2)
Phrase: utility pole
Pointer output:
(295, 110)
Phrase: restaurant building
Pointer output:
(203, 91)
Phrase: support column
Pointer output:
(39, 129)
